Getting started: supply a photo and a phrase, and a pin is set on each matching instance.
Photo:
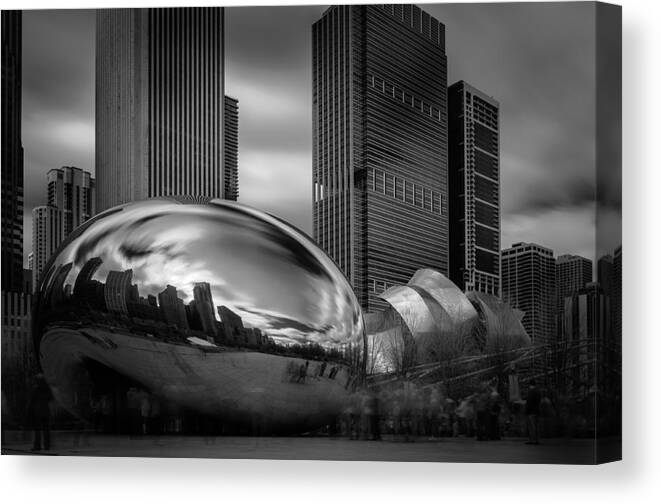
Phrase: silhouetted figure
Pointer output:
(482, 413)
(493, 428)
(39, 413)
(145, 410)
(303, 372)
(532, 413)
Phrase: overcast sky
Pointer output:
(537, 60)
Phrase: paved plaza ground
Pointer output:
(511, 450)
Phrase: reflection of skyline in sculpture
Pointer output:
(123, 245)
(119, 296)
(209, 305)
(430, 320)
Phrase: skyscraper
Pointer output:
(159, 103)
(379, 86)
(117, 291)
(528, 283)
(70, 196)
(474, 181)
(205, 309)
(172, 307)
(572, 273)
(12, 152)
(73, 191)
(586, 322)
(231, 142)
(47, 234)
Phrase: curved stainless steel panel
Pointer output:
(502, 327)
(446, 294)
(210, 304)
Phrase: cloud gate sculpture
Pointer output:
(430, 319)
(212, 306)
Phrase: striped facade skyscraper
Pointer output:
(474, 180)
(528, 284)
(159, 103)
(379, 86)
(12, 152)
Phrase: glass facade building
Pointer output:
(474, 180)
(380, 144)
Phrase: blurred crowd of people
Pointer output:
(405, 411)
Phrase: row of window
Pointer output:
(399, 94)
(404, 190)
(379, 286)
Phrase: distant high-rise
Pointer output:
(528, 283)
(172, 307)
(205, 309)
(73, 191)
(12, 152)
(379, 86)
(47, 234)
(159, 103)
(70, 198)
(474, 181)
(231, 157)
(572, 273)
(117, 291)
(586, 322)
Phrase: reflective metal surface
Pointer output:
(500, 323)
(214, 306)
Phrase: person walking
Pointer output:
(532, 413)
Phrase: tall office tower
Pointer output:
(205, 309)
(528, 283)
(159, 103)
(474, 181)
(47, 234)
(172, 307)
(72, 190)
(231, 146)
(117, 291)
(572, 273)
(379, 94)
(12, 152)
(616, 300)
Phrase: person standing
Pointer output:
(532, 413)
(39, 413)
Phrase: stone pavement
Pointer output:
(551, 451)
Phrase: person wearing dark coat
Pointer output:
(39, 413)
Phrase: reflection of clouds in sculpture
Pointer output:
(267, 272)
